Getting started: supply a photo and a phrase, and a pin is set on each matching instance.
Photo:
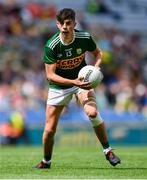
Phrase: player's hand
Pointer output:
(98, 68)
(102, 76)
(81, 84)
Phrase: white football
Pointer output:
(91, 74)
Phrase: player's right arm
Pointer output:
(52, 76)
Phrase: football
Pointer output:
(91, 74)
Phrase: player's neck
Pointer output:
(67, 38)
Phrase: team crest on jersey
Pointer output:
(79, 51)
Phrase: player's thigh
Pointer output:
(60, 97)
(87, 99)
(52, 115)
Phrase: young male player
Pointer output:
(64, 56)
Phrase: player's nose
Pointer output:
(64, 26)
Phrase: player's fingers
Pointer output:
(86, 88)
(86, 85)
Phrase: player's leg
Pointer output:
(88, 100)
(52, 116)
(56, 101)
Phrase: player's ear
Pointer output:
(75, 24)
(58, 24)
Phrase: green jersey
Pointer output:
(69, 58)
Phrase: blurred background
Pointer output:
(119, 27)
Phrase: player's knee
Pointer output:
(90, 107)
(92, 113)
(49, 132)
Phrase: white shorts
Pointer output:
(62, 96)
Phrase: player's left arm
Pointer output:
(97, 53)
(95, 50)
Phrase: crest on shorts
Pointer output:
(79, 51)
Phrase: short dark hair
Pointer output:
(64, 14)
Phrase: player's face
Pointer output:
(67, 26)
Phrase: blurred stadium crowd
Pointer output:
(25, 27)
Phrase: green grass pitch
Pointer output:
(72, 163)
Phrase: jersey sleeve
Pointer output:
(49, 56)
(91, 44)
